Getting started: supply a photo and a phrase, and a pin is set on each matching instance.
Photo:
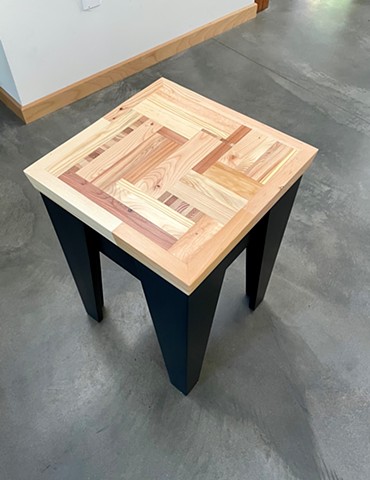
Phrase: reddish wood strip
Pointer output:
(181, 206)
(236, 136)
(195, 215)
(171, 200)
(212, 157)
(127, 215)
(164, 197)
(139, 122)
(94, 154)
(171, 135)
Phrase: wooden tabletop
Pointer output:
(173, 178)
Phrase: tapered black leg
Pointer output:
(79, 245)
(182, 323)
(263, 246)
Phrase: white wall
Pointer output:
(53, 43)
(6, 77)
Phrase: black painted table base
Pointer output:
(182, 322)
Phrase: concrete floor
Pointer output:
(285, 391)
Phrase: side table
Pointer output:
(173, 187)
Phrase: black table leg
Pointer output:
(263, 246)
(182, 323)
(79, 245)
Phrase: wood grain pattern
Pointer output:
(156, 212)
(232, 180)
(195, 239)
(100, 132)
(121, 211)
(173, 178)
(213, 190)
(119, 151)
(175, 166)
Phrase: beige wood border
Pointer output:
(50, 103)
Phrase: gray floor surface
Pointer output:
(285, 391)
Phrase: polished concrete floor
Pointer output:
(285, 391)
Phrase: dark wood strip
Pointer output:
(171, 200)
(119, 210)
(181, 206)
(164, 197)
(175, 137)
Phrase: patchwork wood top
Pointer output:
(173, 178)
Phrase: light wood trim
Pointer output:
(11, 103)
(92, 84)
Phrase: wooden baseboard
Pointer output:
(262, 5)
(11, 103)
(92, 84)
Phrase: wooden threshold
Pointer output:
(78, 90)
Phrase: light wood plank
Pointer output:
(270, 162)
(176, 165)
(75, 149)
(214, 190)
(241, 118)
(232, 180)
(209, 117)
(75, 203)
(195, 239)
(121, 149)
(242, 155)
(203, 202)
(180, 114)
(138, 162)
(121, 211)
(175, 122)
(156, 212)
(151, 255)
